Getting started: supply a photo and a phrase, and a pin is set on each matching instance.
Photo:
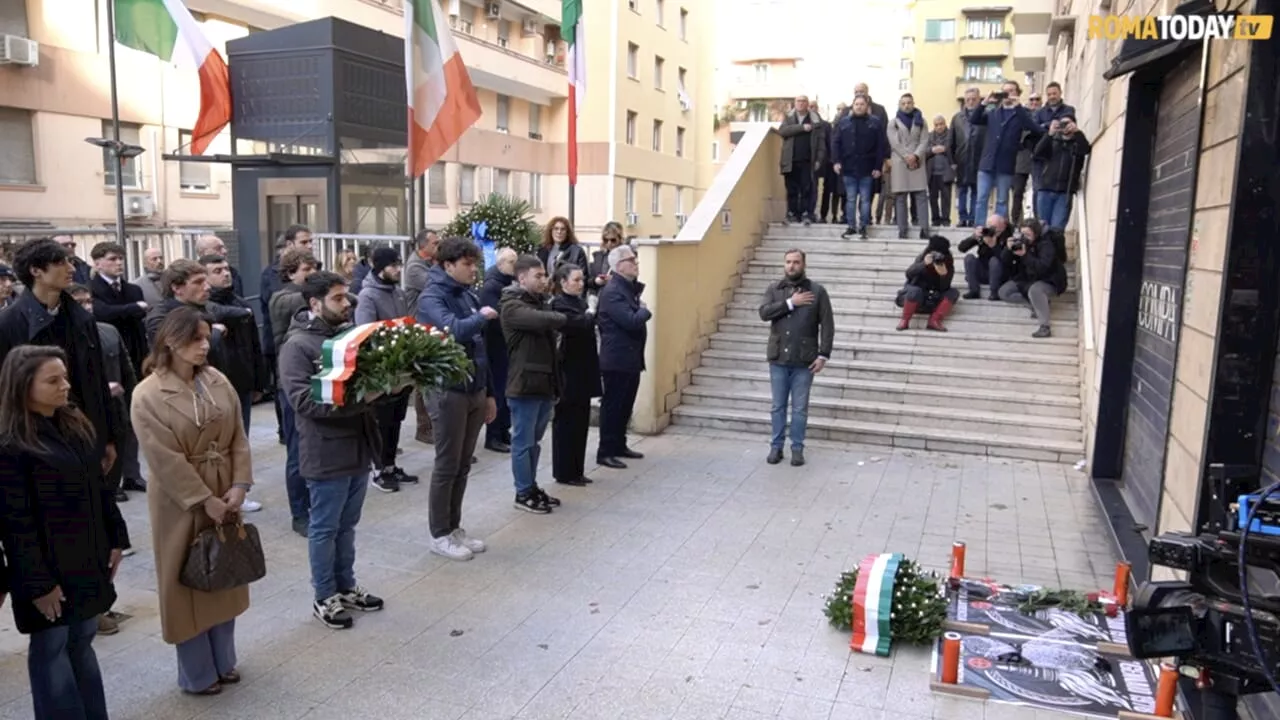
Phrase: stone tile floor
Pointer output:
(688, 586)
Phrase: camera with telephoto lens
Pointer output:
(989, 232)
(1202, 621)
(1018, 243)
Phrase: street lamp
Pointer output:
(120, 151)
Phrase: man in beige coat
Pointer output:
(908, 174)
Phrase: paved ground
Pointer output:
(689, 586)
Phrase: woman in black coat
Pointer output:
(560, 246)
(580, 364)
(928, 287)
(61, 531)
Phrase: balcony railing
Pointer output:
(553, 62)
(985, 47)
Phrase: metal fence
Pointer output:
(173, 242)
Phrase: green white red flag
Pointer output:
(571, 30)
(166, 29)
(442, 100)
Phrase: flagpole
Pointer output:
(115, 121)
(410, 180)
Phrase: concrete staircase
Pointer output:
(986, 387)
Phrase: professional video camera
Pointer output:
(1222, 624)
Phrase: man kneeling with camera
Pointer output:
(928, 287)
(987, 265)
(1035, 260)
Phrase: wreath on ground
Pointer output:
(919, 606)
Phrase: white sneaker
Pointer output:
(449, 547)
(251, 506)
(475, 545)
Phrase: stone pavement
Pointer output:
(688, 586)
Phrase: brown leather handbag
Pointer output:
(223, 557)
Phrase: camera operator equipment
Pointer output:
(1036, 263)
(928, 287)
(986, 266)
(1221, 624)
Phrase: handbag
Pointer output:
(223, 557)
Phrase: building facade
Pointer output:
(952, 45)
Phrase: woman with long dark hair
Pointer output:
(580, 363)
(60, 528)
(560, 245)
(191, 431)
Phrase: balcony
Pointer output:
(511, 72)
(985, 86)
(766, 90)
(998, 47)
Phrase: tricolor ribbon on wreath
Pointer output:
(338, 360)
(873, 603)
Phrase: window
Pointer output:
(630, 196)
(657, 136)
(986, 70)
(467, 184)
(435, 185)
(504, 33)
(762, 72)
(192, 176)
(459, 24)
(939, 30)
(679, 200)
(634, 5)
(631, 127)
(908, 43)
(684, 24)
(502, 182)
(535, 190)
(759, 112)
(715, 151)
(13, 19)
(681, 75)
(17, 147)
(633, 60)
(658, 65)
(679, 142)
(904, 84)
(988, 28)
(130, 134)
(535, 121)
(905, 65)
(504, 113)
(660, 11)
(655, 202)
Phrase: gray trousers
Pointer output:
(206, 657)
(456, 419)
(904, 214)
(1038, 295)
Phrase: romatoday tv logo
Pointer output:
(1180, 27)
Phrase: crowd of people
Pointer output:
(98, 371)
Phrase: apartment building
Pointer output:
(951, 45)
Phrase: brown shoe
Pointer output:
(214, 689)
(231, 678)
(107, 626)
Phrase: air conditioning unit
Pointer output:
(139, 205)
(493, 10)
(633, 219)
(530, 27)
(680, 219)
(15, 50)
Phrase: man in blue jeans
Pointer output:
(801, 332)
(1005, 121)
(336, 447)
(859, 149)
(1063, 152)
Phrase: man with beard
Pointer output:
(883, 208)
(497, 434)
(149, 279)
(381, 299)
(801, 333)
(213, 245)
(337, 444)
(859, 149)
(246, 366)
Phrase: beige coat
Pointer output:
(904, 142)
(188, 464)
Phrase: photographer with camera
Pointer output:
(987, 265)
(1007, 122)
(928, 287)
(1062, 152)
(1035, 260)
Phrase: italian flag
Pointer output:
(571, 30)
(442, 100)
(166, 29)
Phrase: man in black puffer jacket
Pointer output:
(1036, 262)
(1062, 151)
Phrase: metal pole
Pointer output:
(115, 120)
(572, 220)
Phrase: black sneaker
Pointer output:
(332, 613)
(357, 598)
(403, 476)
(387, 481)
(971, 295)
(1043, 332)
(300, 526)
(550, 501)
(806, 221)
(797, 457)
(531, 502)
(863, 233)
(848, 233)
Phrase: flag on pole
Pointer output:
(442, 100)
(166, 29)
(571, 30)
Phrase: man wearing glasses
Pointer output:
(621, 317)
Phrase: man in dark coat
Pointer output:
(497, 434)
(1009, 126)
(245, 366)
(966, 150)
(118, 302)
(804, 148)
(270, 283)
(1054, 108)
(81, 271)
(883, 207)
(621, 316)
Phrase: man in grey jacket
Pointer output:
(415, 271)
(336, 445)
(801, 333)
(382, 299)
(149, 278)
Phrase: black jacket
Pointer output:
(579, 358)
(1063, 160)
(1045, 261)
(599, 266)
(269, 285)
(27, 322)
(986, 252)
(121, 310)
(244, 362)
(573, 253)
(926, 277)
(58, 523)
(967, 141)
(533, 365)
(798, 336)
(495, 343)
(859, 144)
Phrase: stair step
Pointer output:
(979, 315)
(827, 270)
(757, 283)
(947, 390)
(1009, 357)
(875, 232)
(897, 371)
(885, 333)
(853, 300)
(947, 439)
(851, 255)
(894, 415)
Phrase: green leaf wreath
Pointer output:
(919, 606)
(509, 220)
(1070, 601)
(420, 355)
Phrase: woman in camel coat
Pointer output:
(187, 416)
